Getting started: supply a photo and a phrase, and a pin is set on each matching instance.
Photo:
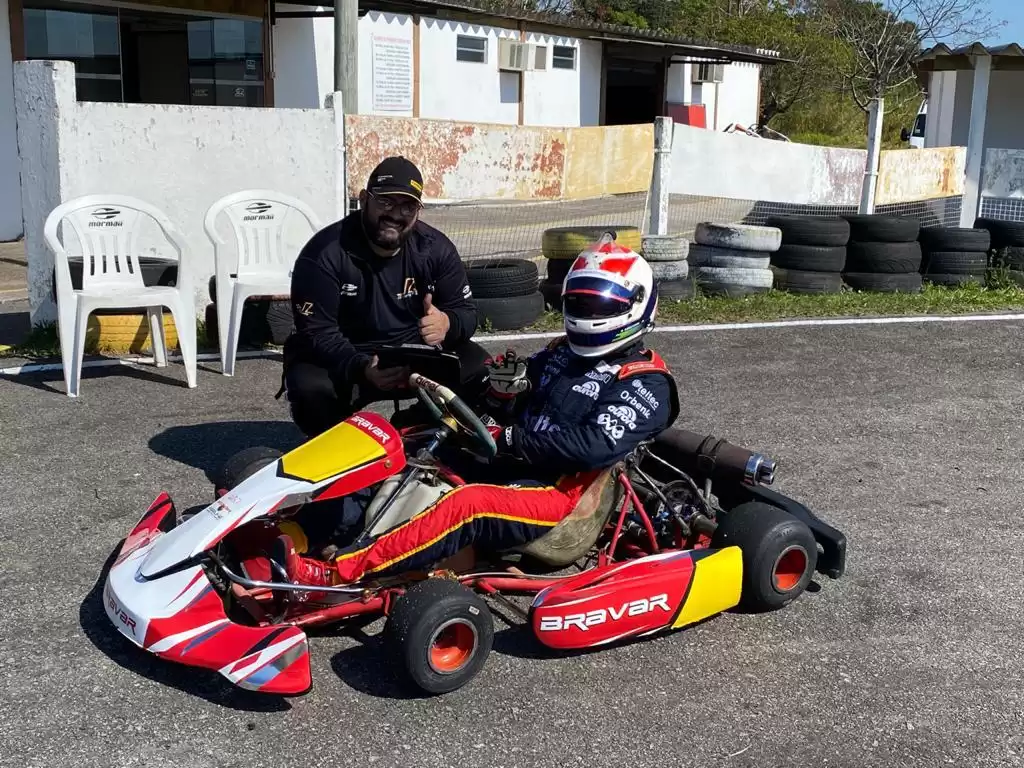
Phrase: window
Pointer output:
(469, 48)
(563, 57)
(89, 40)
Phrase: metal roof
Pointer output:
(943, 58)
(593, 30)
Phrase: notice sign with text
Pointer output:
(392, 74)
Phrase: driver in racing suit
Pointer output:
(576, 407)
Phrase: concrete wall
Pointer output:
(1003, 173)
(472, 161)
(1004, 127)
(10, 186)
(941, 109)
(746, 168)
(71, 148)
(303, 63)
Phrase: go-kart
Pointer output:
(649, 548)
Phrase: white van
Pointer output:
(916, 136)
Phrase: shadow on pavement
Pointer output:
(52, 381)
(208, 446)
(205, 684)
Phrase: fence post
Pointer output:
(867, 194)
(335, 101)
(660, 176)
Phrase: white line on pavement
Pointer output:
(484, 339)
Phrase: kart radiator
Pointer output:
(706, 457)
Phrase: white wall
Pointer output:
(463, 90)
(553, 96)
(743, 167)
(590, 82)
(1005, 123)
(10, 182)
(191, 155)
(299, 82)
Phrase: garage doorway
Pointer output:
(634, 91)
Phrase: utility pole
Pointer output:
(346, 53)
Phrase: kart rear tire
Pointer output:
(440, 634)
(779, 553)
(243, 465)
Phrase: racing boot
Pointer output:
(302, 570)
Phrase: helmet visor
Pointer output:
(589, 297)
(594, 305)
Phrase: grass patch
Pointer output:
(780, 305)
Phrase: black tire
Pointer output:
(510, 277)
(557, 270)
(463, 619)
(954, 239)
(815, 258)
(1012, 257)
(243, 465)
(676, 290)
(811, 230)
(1003, 234)
(872, 228)
(803, 281)
(779, 553)
(955, 263)
(511, 312)
(884, 282)
(552, 293)
(883, 257)
(954, 279)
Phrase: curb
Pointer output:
(485, 338)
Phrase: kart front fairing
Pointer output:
(158, 595)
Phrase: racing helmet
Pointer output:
(609, 298)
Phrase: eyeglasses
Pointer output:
(407, 208)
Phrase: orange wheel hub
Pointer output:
(452, 646)
(789, 568)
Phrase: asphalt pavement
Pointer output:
(908, 438)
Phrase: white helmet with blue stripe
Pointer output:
(609, 299)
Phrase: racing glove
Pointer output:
(506, 381)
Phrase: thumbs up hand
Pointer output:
(434, 324)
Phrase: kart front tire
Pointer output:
(779, 553)
(441, 634)
(243, 465)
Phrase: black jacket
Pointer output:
(346, 300)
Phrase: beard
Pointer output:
(387, 233)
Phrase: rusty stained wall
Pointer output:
(476, 161)
(906, 175)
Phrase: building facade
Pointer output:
(415, 59)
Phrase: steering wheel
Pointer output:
(445, 405)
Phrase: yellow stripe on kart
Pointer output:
(338, 449)
(715, 587)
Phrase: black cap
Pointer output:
(396, 176)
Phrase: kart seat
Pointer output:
(573, 537)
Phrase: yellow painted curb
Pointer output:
(126, 333)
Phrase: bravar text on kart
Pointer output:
(683, 529)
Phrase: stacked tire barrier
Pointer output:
(733, 259)
(812, 255)
(954, 255)
(561, 245)
(1006, 246)
(667, 255)
(883, 254)
(506, 293)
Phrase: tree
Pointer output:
(886, 37)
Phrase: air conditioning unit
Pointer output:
(707, 72)
(515, 56)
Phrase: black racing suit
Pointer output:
(346, 301)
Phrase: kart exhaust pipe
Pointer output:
(713, 459)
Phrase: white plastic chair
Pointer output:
(259, 265)
(108, 227)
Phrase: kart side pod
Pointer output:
(638, 597)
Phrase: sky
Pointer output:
(1012, 12)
